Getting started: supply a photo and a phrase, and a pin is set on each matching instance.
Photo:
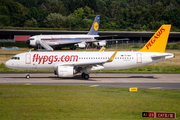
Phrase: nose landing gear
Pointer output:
(28, 76)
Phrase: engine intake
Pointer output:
(80, 45)
(101, 43)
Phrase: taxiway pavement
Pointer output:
(147, 81)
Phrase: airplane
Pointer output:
(81, 41)
(67, 64)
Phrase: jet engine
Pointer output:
(81, 45)
(100, 43)
(65, 71)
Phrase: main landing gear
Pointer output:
(85, 76)
(28, 76)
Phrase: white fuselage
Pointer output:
(55, 40)
(51, 60)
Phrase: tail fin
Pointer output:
(95, 26)
(158, 41)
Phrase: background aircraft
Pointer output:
(81, 41)
(67, 64)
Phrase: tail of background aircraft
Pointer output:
(158, 41)
(95, 26)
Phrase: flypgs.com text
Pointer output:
(41, 59)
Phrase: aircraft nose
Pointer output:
(28, 42)
(7, 64)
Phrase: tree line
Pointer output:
(72, 14)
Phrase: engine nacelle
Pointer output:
(101, 43)
(80, 45)
(65, 71)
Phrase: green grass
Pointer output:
(79, 102)
(143, 69)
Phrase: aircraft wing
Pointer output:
(83, 64)
(116, 39)
(90, 41)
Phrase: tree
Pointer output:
(5, 20)
(30, 23)
(4, 10)
(156, 11)
(37, 14)
(154, 25)
(137, 15)
(88, 11)
(55, 20)
(87, 23)
(79, 13)
(56, 7)
(172, 17)
(115, 10)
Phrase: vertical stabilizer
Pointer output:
(158, 41)
(95, 26)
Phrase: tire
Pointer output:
(86, 76)
(27, 76)
(82, 75)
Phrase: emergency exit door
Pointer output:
(139, 57)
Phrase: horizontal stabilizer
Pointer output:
(163, 55)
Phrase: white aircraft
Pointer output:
(67, 64)
(49, 41)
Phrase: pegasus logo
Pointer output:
(155, 37)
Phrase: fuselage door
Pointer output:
(28, 58)
(139, 57)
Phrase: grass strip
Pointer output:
(143, 69)
(80, 102)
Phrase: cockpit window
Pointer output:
(31, 38)
(15, 58)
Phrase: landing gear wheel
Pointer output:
(86, 76)
(82, 75)
(27, 76)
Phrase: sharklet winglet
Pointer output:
(112, 57)
(101, 49)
